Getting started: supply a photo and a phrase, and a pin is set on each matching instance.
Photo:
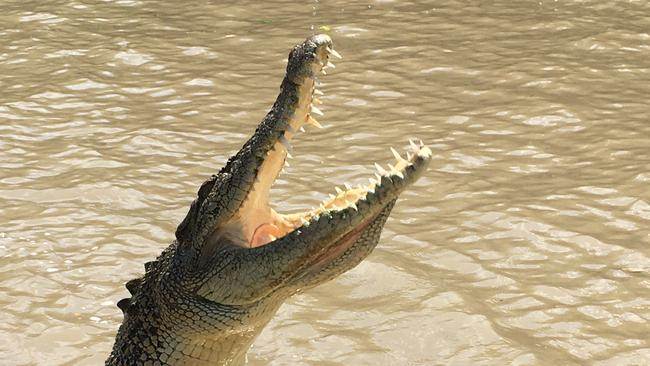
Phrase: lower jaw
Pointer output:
(341, 245)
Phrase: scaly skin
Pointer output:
(235, 260)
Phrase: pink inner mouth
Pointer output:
(264, 234)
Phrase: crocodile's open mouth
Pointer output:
(260, 224)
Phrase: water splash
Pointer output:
(314, 13)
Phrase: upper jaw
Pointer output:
(307, 60)
(268, 149)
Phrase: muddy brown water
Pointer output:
(527, 242)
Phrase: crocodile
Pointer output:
(235, 260)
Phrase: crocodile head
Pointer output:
(235, 259)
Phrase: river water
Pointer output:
(526, 243)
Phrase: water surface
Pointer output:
(526, 243)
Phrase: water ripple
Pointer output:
(525, 244)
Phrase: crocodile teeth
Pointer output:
(289, 155)
(318, 92)
(408, 156)
(396, 172)
(287, 145)
(315, 109)
(317, 101)
(286, 164)
(347, 186)
(323, 71)
(338, 190)
(334, 53)
(413, 145)
(330, 65)
(313, 121)
(353, 205)
(301, 129)
(381, 170)
(397, 155)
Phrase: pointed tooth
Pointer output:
(313, 121)
(421, 143)
(301, 129)
(378, 178)
(272, 237)
(331, 196)
(289, 155)
(287, 145)
(334, 53)
(322, 207)
(286, 164)
(330, 65)
(408, 156)
(303, 221)
(323, 71)
(318, 92)
(372, 181)
(381, 170)
(396, 172)
(338, 190)
(347, 186)
(317, 111)
(317, 101)
(397, 156)
(413, 145)
(353, 205)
